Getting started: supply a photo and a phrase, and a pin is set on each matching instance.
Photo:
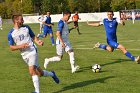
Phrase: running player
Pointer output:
(47, 28)
(21, 38)
(41, 19)
(75, 19)
(62, 43)
(110, 25)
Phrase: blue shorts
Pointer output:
(47, 31)
(113, 44)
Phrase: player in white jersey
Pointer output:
(133, 17)
(62, 43)
(21, 38)
(0, 23)
(41, 19)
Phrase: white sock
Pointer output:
(56, 58)
(47, 73)
(35, 80)
(71, 55)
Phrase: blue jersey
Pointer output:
(47, 21)
(110, 28)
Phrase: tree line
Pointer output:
(9, 7)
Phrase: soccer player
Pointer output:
(62, 43)
(133, 17)
(41, 19)
(0, 23)
(75, 19)
(21, 38)
(47, 28)
(110, 25)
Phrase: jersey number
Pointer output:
(21, 37)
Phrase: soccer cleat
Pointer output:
(46, 62)
(96, 45)
(75, 69)
(38, 35)
(137, 59)
(55, 78)
(34, 92)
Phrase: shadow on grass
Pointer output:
(109, 63)
(116, 61)
(83, 83)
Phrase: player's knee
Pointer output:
(110, 49)
(71, 50)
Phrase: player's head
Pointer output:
(66, 15)
(48, 13)
(18, 19)
(110, 15)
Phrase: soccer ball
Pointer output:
(96, 68)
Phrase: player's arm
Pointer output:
(17, 47)
(59, 31)
(36, 40)
(58, 34)
(96, 24)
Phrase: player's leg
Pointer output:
(51, 37)
(57, 58)
(44, 33)
(109, 47)
(70, 51)
(77, 27)
(35, 78)
(128, 54)
(46, 73)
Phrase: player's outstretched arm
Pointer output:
(17, 47)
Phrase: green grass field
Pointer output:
(118, 75)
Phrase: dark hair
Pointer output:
(110, 11)
(15, 17)
(66, 12)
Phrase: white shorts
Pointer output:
(60, 49)
(31, 59)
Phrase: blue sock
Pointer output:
(103, 46)
(130, 56)
(52, 39)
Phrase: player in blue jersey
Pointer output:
(47, 28)
(110, 25)
(21, 38)
(62, 43)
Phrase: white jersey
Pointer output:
(23, 35)
(64, 31)
(41, 19)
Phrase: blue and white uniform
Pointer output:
(24, 35)
(64, 31)
(47, 29)
(41, 19)
(111, 28)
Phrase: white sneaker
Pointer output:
(46, 62)
(96, 45)
(137, 59)
(38, 35)
(75, 69)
